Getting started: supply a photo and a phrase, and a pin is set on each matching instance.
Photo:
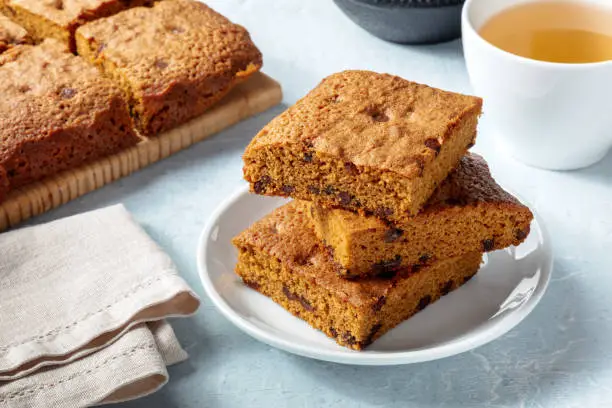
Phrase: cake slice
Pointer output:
(60, 18)
(174, 60)
(363, 141)
(11, 34)
(469, 212)
(281, 257)
(56, 112)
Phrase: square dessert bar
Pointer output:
(12, 34)
(281, 257)
(368, 142)
(60, 18)
(175, 60)
(469, 212)
(56, 112)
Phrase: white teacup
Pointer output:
(549, 115)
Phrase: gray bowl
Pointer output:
(407, 21)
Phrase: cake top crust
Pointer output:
(45, 88)
(66, 13)
(173, 41)
(371, 120)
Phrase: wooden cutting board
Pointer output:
(254, 96)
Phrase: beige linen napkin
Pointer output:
(73, 295)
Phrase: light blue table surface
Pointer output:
(560, 356)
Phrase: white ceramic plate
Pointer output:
(505, 290)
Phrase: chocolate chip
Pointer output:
(351, 169)
(345, 198)
(24, 88)
(314, 190)
(306, 304)
(467, 278)
(376, 114)
(383, 212)
(433, 144)
(290, 295)
(453, 201)
(371, 335)
(415, 268)
(488, 244)
(470, 145)
(287, 189)
(425, 300)
(388, 266)
(420, 164)
(67, 93)
(349, 338)
(329, 190)
(161, 64)
(58, 4)
(446, 287)
(392, 234)
(260, 186)
(522, 234)
(303, 301)
(424, 258)
(333, 332)
(251, 284)
(379, 304)
(307, 157)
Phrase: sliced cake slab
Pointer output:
(56, 112)
(364, 141)
(470, 212)
(60, 18)
(281, 257)
(174, 60)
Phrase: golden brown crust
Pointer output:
(11, 34)
(281, 257)
(56, 112)
(371, 120)
(174, 59)
(60, 18)
(365, 142)
(471, 182)
(469, 212)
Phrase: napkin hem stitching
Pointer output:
(58, 330)
(32, 389)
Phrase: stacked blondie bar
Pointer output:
(391, 211)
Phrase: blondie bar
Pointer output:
(60, 18)
(363, 141)
(174, 60)
(56, 112)
(469, 212)
(281, 257)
